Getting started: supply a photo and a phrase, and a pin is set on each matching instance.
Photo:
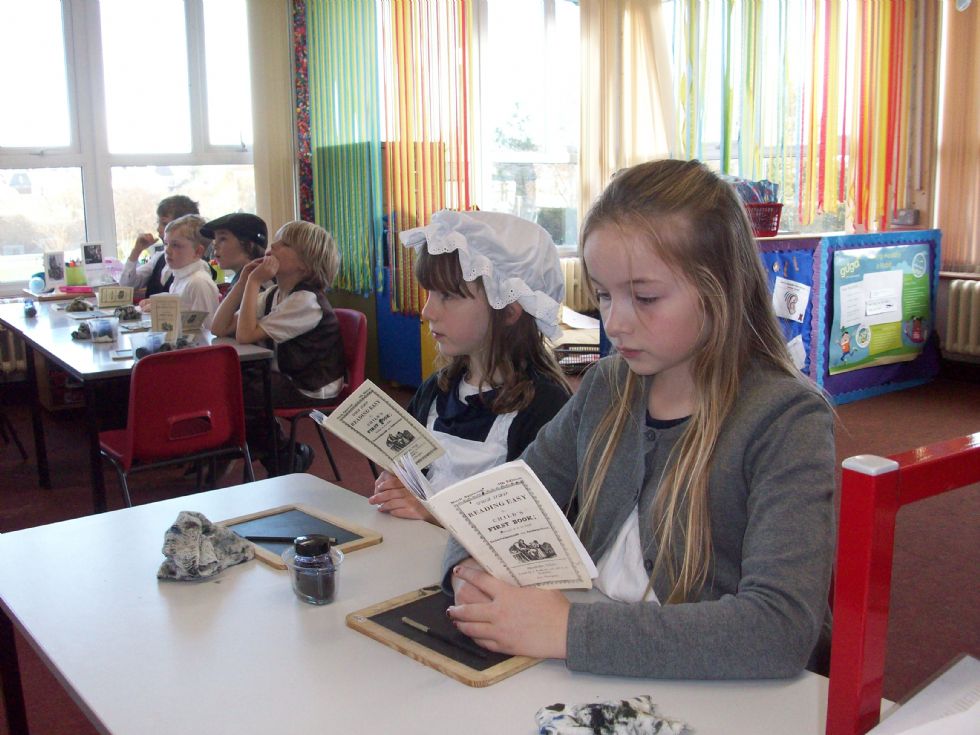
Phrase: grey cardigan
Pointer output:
(764, 609)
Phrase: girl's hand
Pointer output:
(525, 621)
(145, 305)
(392, 497)
(463, 592)
(264, 269)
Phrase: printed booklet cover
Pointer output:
(504, 517)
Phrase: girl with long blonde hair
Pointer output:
(703, 472)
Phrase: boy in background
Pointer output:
(149, 275)
(239, 238)
(186, 271)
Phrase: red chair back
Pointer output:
(184, 401)
(872, 490)
(353, 332)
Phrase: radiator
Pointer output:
(576, 293)
(963, 318)
(12, 357)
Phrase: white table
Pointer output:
(89, 363)
(241, 654)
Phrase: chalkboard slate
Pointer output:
(290, 521)
(383, 622)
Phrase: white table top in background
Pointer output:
(241, 654)
(50, 332)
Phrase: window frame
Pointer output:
(88, 149)
(484, 158)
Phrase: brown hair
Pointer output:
(516, 350)
(176, 206)
(697, 225)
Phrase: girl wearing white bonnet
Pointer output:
(495, 289)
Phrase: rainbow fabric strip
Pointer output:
(345, 135)
(428, 83)
(820, 96)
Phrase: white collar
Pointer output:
(187, 270)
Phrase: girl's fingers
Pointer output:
(383, 496)
(467, 594)
(482, 581)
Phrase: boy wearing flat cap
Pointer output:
(238, 237)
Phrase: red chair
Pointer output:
(183, 405)
(353, 333)
(872, 490)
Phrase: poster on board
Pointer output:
(881, 306)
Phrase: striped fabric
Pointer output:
(342, 57)
(825, 97)
(429, 79)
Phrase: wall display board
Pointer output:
(879, 288)
(882, 308)
(790, 270)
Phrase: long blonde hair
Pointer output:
(697, 225)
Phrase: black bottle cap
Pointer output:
(313, 545)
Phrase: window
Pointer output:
(88, 148)
(530, 113)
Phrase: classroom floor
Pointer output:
(935, 609)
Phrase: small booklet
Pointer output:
(109, 296)
(504, 517)
(376, 426)
(192, 321)
(165, 315)
(508, 521)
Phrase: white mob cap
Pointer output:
(516, 258)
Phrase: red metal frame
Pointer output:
(872, 491)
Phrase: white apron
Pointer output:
(465, 457)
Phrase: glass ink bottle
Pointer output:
(313, 567)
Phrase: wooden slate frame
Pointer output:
(417, 646)
(366, 537)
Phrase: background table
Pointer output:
(49, 333)
(241, 654)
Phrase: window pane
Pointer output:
(136, 191)
(531, 119)
(33, 84)
(40, 211)
(226, 61)
(144, 51)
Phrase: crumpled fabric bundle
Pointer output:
(634, 716)
(197, 549)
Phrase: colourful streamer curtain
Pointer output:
(878, 147)
(429, 83)
(865, 109)
(345, 139)
(829, 98)
(690, 54)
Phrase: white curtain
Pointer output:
(274, 156)
(958, 200)
(628, 103)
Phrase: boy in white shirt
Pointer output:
(185, 247)
(148, 275)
